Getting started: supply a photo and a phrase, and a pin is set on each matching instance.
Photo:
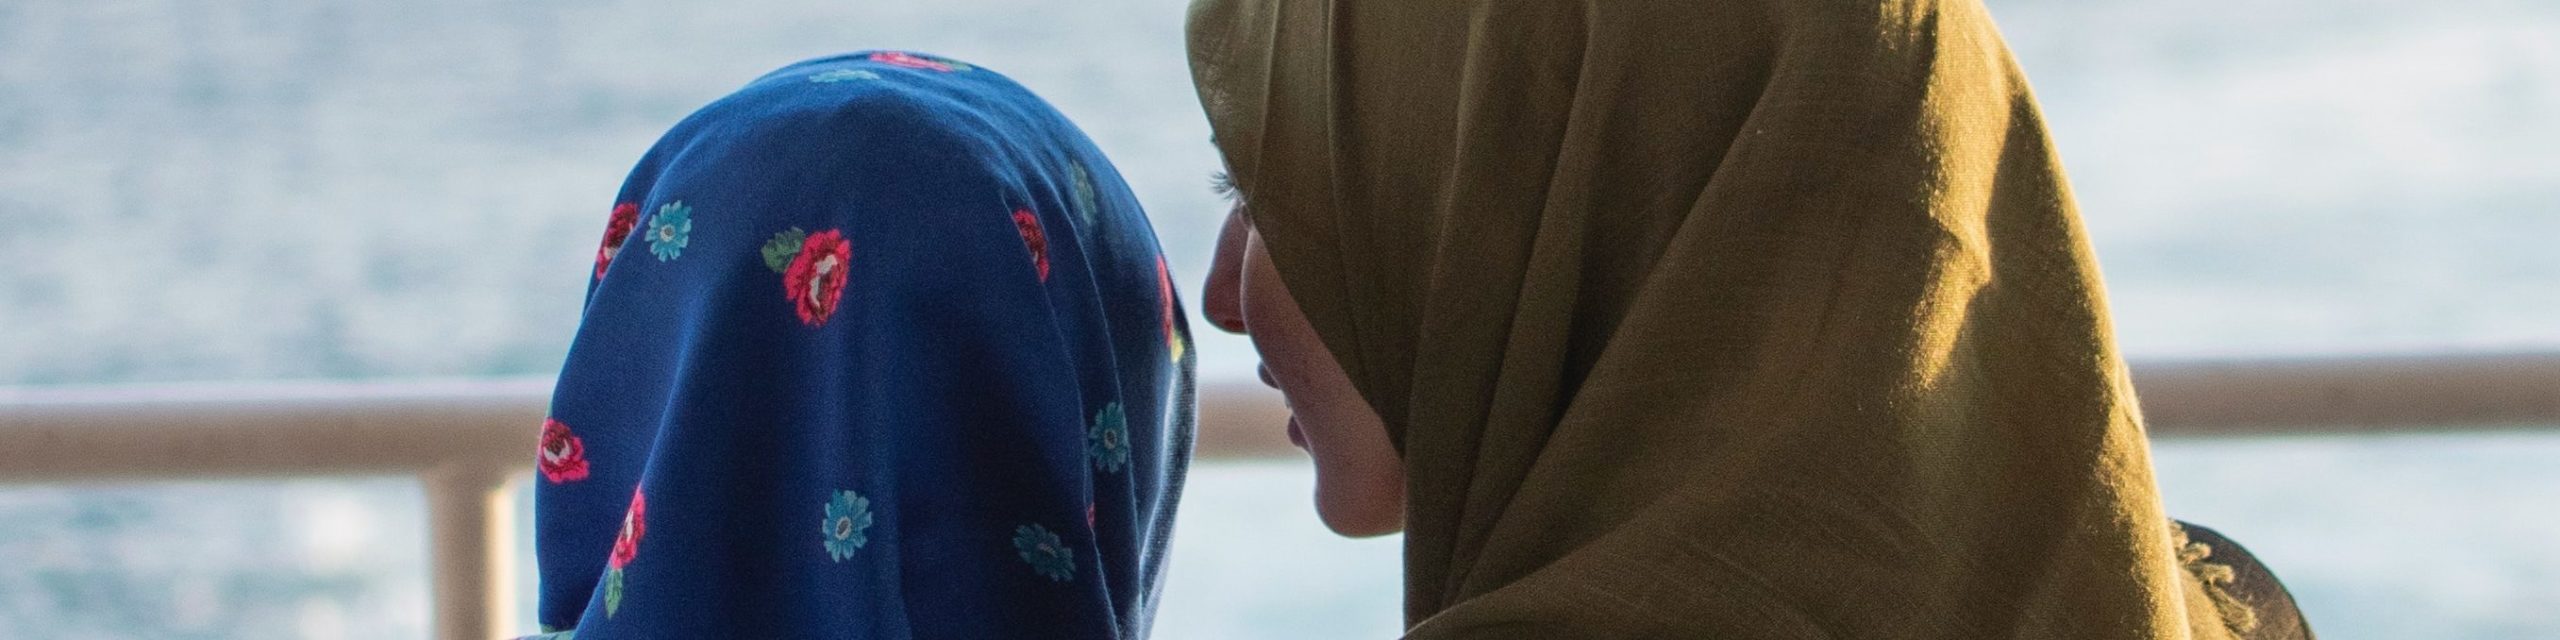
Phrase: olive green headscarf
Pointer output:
(1706, 318)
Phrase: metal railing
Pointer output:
(468, 441)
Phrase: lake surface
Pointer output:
(287, 189)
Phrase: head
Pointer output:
(806, 291)
(1359, 475)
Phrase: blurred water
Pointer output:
(214, 560)
(305, 189)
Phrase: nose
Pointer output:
(1222, 297)
(1221, 302)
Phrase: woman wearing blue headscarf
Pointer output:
(879, 346)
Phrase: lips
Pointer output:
(1297, 435)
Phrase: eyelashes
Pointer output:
(1225, 186)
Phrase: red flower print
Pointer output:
(909, 60)
(815, 279)
(1029, 225)
(625, 217)
(563, 457)
(634, 524)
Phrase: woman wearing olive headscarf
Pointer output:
(1715, 319)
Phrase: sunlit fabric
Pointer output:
(1736, 319)
(879, 346)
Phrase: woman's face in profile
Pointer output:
(1359, 478)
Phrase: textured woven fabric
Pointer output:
(878, 346)
(1705, 319)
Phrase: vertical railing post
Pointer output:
(472, 518)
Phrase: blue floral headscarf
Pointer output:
(877, 347)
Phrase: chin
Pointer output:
(1361, 516)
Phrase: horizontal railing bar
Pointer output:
(405, 427)
(2350, 395)
(267, 429)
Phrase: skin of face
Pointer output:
(1359, 478)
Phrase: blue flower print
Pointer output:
(670, 230)
(1107, 441)
(1047, 555)
(841, 75)
(848, 516)
(1088, 204)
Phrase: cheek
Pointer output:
(1307, 373)
(1278, 329)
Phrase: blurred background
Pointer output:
(310, 189)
